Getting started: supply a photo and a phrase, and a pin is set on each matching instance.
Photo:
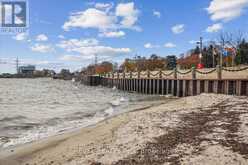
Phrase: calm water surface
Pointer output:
(32, 109)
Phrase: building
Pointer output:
(26, 70)
(172, 62)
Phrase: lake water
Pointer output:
(32, 109)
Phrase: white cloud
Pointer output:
(90, 18)
(41, 37)
(157, 13)
(178, 28)
(61, 36)
(21, 37)
(150, 46)
(42, 48)
(214, 28)
(129, 14)
(75, 58)
(71, 44)
(125, 16)
(112, 34)
(104, 6)
(169, 45)
(91, 47)
(226, 10)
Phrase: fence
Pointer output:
(214, 73)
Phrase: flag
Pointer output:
(224, 52)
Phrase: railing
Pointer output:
(193, 73)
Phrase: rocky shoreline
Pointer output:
(205, 129)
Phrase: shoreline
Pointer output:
(77, 130)
(166, 130)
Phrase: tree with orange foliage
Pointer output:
(129, 65)
(189, 61)
(104, 67)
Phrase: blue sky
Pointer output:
(68, 34)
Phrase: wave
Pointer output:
(8, 119)
(19, 127)
(80, 115)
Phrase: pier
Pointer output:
(181, 83)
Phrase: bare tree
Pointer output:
(232, 41)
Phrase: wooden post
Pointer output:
(184, 88)
(178, 88)
(172, 87)
(162, 86)
(167, 87)
(226, 91)
(216, 86)
(206, 86)
(198, 87)
(126, 85)
(160, 74)
(147, 87)
(148, 74)
(219, 72)
(246, 88)
(121, 84)
(238, 87)
(191, 88)
(154, 86)
(175, 73)
(130, 84)
(144, 86)
(158, 86)
(150, 86)
(193, 73)
(134, 84)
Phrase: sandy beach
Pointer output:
(206, 129)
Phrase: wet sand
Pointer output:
(205, 129)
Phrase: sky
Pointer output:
(70, 33)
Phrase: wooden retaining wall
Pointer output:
(178, 83)
(180, 88)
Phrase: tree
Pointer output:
(129, 65)
(189, 61)
(242, 53)
(237, 43)
(104, 67)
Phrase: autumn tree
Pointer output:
(104, 67)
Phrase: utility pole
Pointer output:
(17, 65)
(221, 55)
(201, 47)
(96, 61)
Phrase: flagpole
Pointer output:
(221, 56)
